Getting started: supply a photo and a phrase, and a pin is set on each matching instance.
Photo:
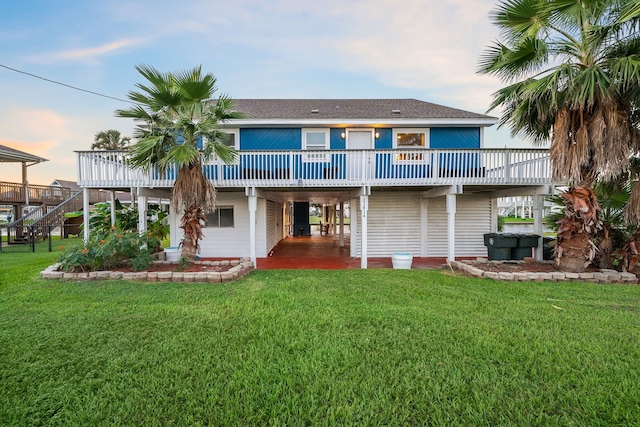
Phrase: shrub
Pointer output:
(109, 249)
(127, 219)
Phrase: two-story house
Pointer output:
(415, 176)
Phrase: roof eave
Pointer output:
(378, 123)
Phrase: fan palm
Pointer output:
(182, 127)
(573, 69)
(110, 140)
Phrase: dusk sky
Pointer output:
(420, 49)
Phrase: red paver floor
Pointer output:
(324, 253)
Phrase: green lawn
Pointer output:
(353, 347)
(511, 219)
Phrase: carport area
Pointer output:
(324, 253)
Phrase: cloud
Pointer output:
(88, 54)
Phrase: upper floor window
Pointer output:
(315, 139)
(232, 139)
(409, 139)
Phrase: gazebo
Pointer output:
(11, 155)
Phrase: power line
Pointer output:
(66, 85)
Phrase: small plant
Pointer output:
(183, 263)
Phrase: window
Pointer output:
(408, 142)
(232, 139)
(220, 218)
(315, 139)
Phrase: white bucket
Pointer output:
(173, 253)
(401, 260)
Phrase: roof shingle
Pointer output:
(349, 109)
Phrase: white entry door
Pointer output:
(361, 164)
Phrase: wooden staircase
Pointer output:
(40, 222)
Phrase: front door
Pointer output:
(361, 163)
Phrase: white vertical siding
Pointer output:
(437, 242)
(261, 228)
(473, 219)
(231, 241)
(274, 215)
(356, 230)
(393, 222)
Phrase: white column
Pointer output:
(142, 213)
(538, 208)
(334, 222)
(364, 207)
(85, 213)
(494, 215)
(134, 196)
(451, 226)
(253, 207)
(341, 239)
(112, 195)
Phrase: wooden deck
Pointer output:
(333, 169)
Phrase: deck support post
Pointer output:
(341, 240)
(253, 207)
(142, 213)
(85, 213)
(538, 210)
(112, 195)
(451, 225)
(364, 207)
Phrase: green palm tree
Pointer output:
(573, 74)
(182, 128)
(110, 140)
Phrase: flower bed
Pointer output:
(164, 271)
(539, 272)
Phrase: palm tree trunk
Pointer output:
(192, 222)
(574, 247)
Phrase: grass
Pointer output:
(43, 246)
(353, 347)
(512, 220)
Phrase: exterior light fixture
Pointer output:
(377, 135)
(343, 135)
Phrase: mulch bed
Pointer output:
(519, 267)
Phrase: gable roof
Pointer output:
(8, 154)
(349, 110)
(72, 185)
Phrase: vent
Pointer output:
(315, 111)
(395, 112)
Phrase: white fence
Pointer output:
(334, 168)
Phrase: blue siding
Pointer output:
(385, 141)
(270, 139)
(454, 138)
(456, 164)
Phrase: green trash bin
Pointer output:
(499, 245)
(526, 242)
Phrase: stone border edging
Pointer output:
(470, 268)
(240, 268)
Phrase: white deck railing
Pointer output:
(334, 168)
